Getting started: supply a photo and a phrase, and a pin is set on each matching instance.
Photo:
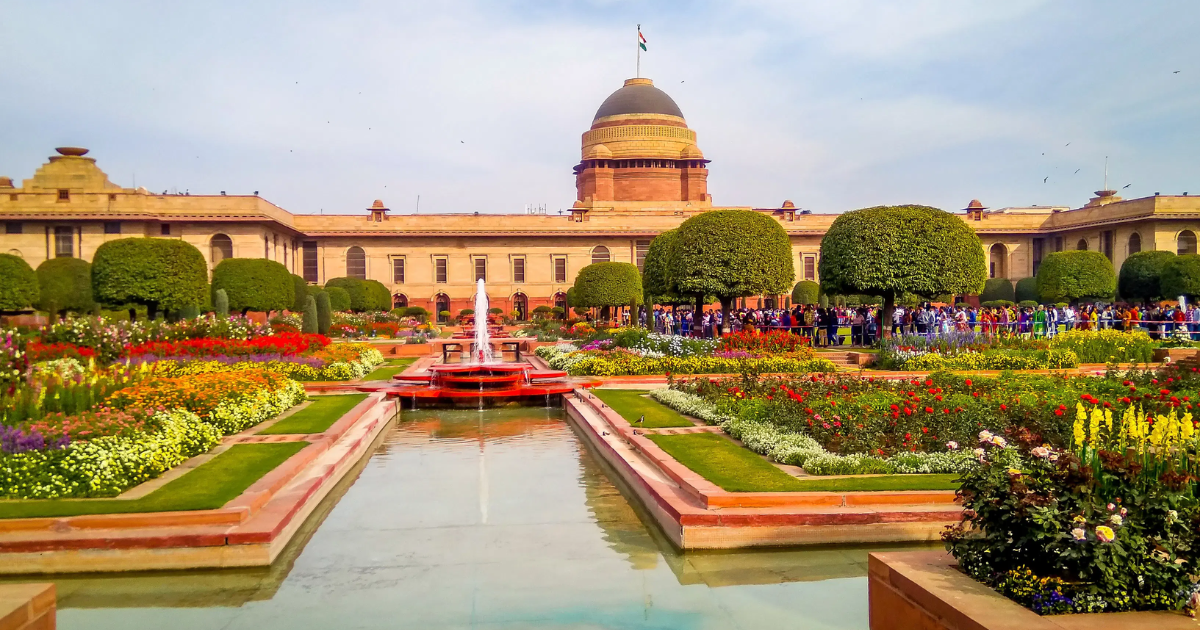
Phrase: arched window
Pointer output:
(442, 305)
(998, 261)
(600, 254)
(400, 301)
(1135, 243)
(1187, 242)
(222, 248)
(521, 306)
(1081, 245)
(356, 263)
(560, 301)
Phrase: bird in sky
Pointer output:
(1067, 144)
(1176, 72)
(1045, 179)
(1077, 170)
(461, 142)
(1126, 186)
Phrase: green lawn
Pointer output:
(738, 469)
(317, 417)
(389, 369)
(211, 485)
(632, 404)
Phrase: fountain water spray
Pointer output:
(483, 342)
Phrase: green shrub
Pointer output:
(996, 303)
(156, 272)
(1026, 289)
(466, 312)
(310, 324)
(381, 295)
(189, 312)
(221, 303)
(255, 284)
(1027, 304)
(495, 310)
(806, 292)
(18, 284)
(365, 295)
(608, 284)
(1141, 275)
(66, 285)
(1181, 276)
(1076, 275)
(324, 312)
(339, 298)
(416, 311)
(998, 289)
(301, 292)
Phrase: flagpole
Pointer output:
(639, 52)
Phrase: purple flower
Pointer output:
(14, 440)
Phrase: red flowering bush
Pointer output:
(37, 352)
(282, 343)
(772, 342)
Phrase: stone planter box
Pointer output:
(1175, 353)
(27, 606)
(924, 590)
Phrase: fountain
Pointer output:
(483, 381)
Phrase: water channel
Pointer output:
(496, 519)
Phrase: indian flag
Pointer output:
(641, 39)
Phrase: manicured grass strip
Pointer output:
(211, 485)
(879, 483)
(632, 404)
(388, 370)
(732, 467)
(317, 417)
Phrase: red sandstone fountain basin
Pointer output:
(477, 385)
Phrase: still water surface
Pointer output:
(496, 519)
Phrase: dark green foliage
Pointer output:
(1181, 276)
(571, 298)
(381, 296)
(1028, 304)
(365, 295)
(892, 250)
(221, 303)
(806, 292)
(18, 284)
(466, 312)
(1141, 275)
(417, 312)
(657, 281)
(309, 324)
(495, 310)
(159, 273)
(1026, 289)
(1075, 275)
(608, 284)
(189, 312)
(732, 253)
(997, 303)
(324, 312)
(339, 298)
(255, 284)
(998, 289)
(301, 291)
(66, 285)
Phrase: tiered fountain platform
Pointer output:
(476, 385)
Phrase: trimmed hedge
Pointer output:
(339, 298)
(18, 284)
(324, 312)
(159, 273)
(66, 285)
(1076, 275)
(998, 289)
(657, 284)
(365, 295)
(1181, 276)
(806, 292)
(608, 284)
(301, 292)
(309, 324)
(255, 284)
(1027, 289)
(1141, 275)
(732, 253)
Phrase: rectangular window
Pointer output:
(112, 227)
(397, 271)
(1058, 243)
(810, 268)
(1106, 244)
(1038, 245)
(518, 274)
(166, 229)
(64, 242)
(560, 269)
(64, 194)
(642, 248)
(309, 252)
(439, 270)
(481, 269)
(13, 227)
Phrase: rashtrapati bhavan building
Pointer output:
(640, 172)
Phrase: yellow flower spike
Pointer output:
(1094, 426)
(1078, 434)
(1108, 422)
(1187, 429)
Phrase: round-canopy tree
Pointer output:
(892, 250)
(608, 284)
(1181, 276)
(656, 271)
(1075, 275)
(160, 273)
(18, 284)
(998, 289)
(806, 292)
(66, 285)
(1027, 289)
(729, 254)
(1141, 275)
(255, 284)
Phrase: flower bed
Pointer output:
(230, 401)
(621, 362)
(341, 362)
(975, 351)
(286, 344)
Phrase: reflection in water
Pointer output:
(496, 519)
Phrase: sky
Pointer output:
(478, 106)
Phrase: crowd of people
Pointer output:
(824, 325)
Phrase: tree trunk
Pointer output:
(151, 311)
(889, 305)
(725, 307)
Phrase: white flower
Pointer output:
(985, 436)
(978, 453)
(1040, 451)
(952, 445)
(999, 441)
(1124, 511)
(1115, 519)
(1078, 533)
(1172, 515)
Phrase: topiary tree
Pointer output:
(365, 295)
(998, 289)
(65, 285)
(890, 250)
(255, 284)
(495, 310)
(1026, 290)
(608, 284)
(18, 284)
(1141, 275)
(221, 303)
(339, 298)
(465, 313)
(418, 312)
(657, 284)
(1181, 276)
(381, 296)
(310, 323)
(541, 311)
(158, 273)
(300, 287)
(1075, 275)
(729, 254)
(1027, 304)
(324, 312)
(806, 292)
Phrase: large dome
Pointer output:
(638, 96)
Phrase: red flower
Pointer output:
(1003, 407)
(968, 382)
(929, 410)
